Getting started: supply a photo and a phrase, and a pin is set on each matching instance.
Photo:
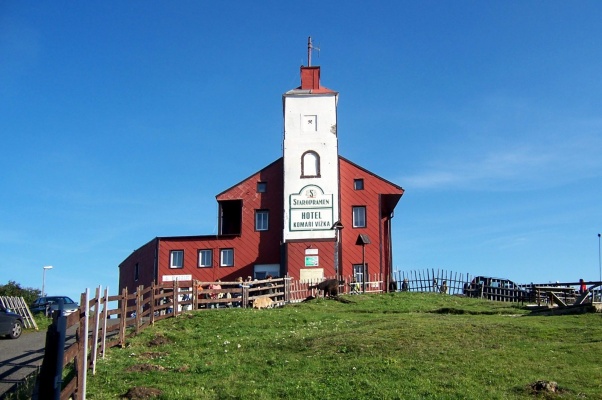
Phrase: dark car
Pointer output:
(11, 324)
(494, 289)
(49, 304)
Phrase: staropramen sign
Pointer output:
(311, 210)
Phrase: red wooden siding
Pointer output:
(379, 197)
(145, 258)
(250, 247)
(295, 252)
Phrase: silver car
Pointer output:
(49, 304)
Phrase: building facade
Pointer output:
(310, 214)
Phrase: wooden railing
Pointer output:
(99, 326)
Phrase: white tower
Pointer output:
(311, 174)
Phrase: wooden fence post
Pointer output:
(123, 316)
(138, 306)
(105, 316)
(152, 304)
(82, 358)
(245, 296)
(175, 298)
(195, 295)
(287, 289)
(95, 330)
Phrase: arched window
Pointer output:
(310, 165)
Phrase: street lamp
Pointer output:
(599, 258)
(44, 277)
(363, 239)
(337, 226)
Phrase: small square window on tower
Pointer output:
(358, 184)
(262, 187)
(309, 123)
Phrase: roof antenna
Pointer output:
(311, 47)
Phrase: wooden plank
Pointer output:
(70, 353)
(557, 300)
(69, 390)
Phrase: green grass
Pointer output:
(42, 321)
(390, 346)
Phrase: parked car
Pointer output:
(11, 324)
(49, 304)
(495, 289)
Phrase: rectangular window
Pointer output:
(226, 257)
(261, 220)
(176, 259)
(136, 272)
(359, 217)
(358, 184)
(262, 187)
(205, 258)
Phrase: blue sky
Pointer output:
(120, 122)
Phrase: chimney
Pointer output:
(310, 78)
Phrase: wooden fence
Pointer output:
(108, 327)
(99, 327)
(440, 281)
(300, 290)
(563, 294)
(496, 289)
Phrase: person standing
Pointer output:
(582, 286)
(215, 295)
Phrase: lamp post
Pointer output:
(44, 277)
(363, 239)
(599, 258)
(337, 226)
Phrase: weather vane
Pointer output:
(311, 47)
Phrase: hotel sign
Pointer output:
(310, 210)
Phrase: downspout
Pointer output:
(380, 242)
(390, 246)
(156, 262)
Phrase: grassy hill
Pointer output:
(389, 346)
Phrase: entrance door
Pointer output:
(360, 273)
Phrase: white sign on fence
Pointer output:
(171, 278)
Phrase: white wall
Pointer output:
(310, 123)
